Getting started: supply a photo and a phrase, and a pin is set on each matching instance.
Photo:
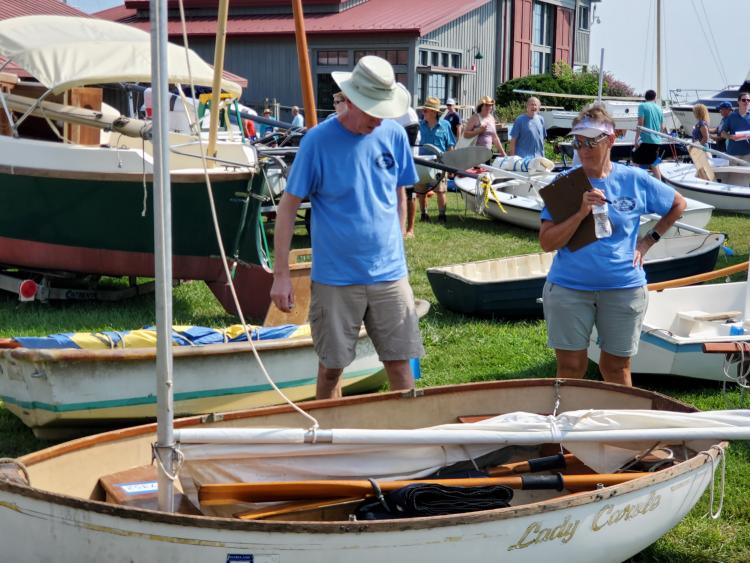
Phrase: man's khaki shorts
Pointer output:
(442, 186)
(389, 314)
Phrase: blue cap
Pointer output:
(724, 105)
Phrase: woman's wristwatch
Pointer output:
(656, 237)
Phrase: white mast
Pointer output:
(658, 52)
(162, 255)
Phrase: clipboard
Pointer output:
(563, 199)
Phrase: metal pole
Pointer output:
(658, 51)
(739, 161)
(164, 447)
(601, 77)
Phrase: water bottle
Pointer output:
(602, 226)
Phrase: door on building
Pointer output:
(326, 89)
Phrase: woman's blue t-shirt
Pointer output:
(351, 181)
(608, 263)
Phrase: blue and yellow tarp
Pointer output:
(182, 335)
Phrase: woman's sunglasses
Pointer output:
(588, 143)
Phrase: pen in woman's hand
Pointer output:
(605, 199)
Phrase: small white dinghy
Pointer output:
(515, 199)
(711, 180)
(680, 320)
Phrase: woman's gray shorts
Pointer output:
(617, 313)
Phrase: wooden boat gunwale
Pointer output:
(139, 354)
(658, 402)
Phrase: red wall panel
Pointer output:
(564, 35)
(522, 19)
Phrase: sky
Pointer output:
(703, 43)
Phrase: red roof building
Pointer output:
(446, 48)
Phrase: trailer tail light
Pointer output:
(27, 290)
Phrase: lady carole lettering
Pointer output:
(609, 515)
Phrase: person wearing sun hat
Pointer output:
(603, 283)
(436, 132)
(352, 169)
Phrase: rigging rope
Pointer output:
(711, 47)
(224, 261)
(715, 45)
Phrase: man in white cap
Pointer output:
(352, 169)
(453, 117)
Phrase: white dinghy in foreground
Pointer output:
(89, 495)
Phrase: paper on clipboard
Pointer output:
(562, 197)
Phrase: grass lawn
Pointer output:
(459, 349)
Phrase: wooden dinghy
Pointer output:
(69, 391)
(511, 287)
(94, 497)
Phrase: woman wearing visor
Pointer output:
(603, 283)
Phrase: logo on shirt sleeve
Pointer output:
(385, 161)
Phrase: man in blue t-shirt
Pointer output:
(719, 135)
(352, 169)
(647, 145)
(528, 134)
(737, 125)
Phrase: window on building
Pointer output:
(583, 18)
(333, 58)
(393, 56)
(542, 36)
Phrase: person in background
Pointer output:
(339, 105)
(454, 118)
(436, 132)
(352, 169)
(646, 145)
(700, 129)
(410, 122)
(298, 119)
(265, 129)
(603, 283)
(737, 128)
(719, 135)
(482, 125)
(528, 133)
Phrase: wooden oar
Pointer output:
(229, 493)
(559, 461)
(690, 280)
(298, 506)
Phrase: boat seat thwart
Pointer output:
(689, 323)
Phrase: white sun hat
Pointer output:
(372, 87)
(591, 129)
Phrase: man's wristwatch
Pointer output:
(656, 237)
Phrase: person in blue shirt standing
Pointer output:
(352, 169)
(528, 133)
(719, 135)
(603, 284)
(646, 145)
(738, 128)
(436, 132)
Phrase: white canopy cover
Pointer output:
(63, 51)
(223, 456)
